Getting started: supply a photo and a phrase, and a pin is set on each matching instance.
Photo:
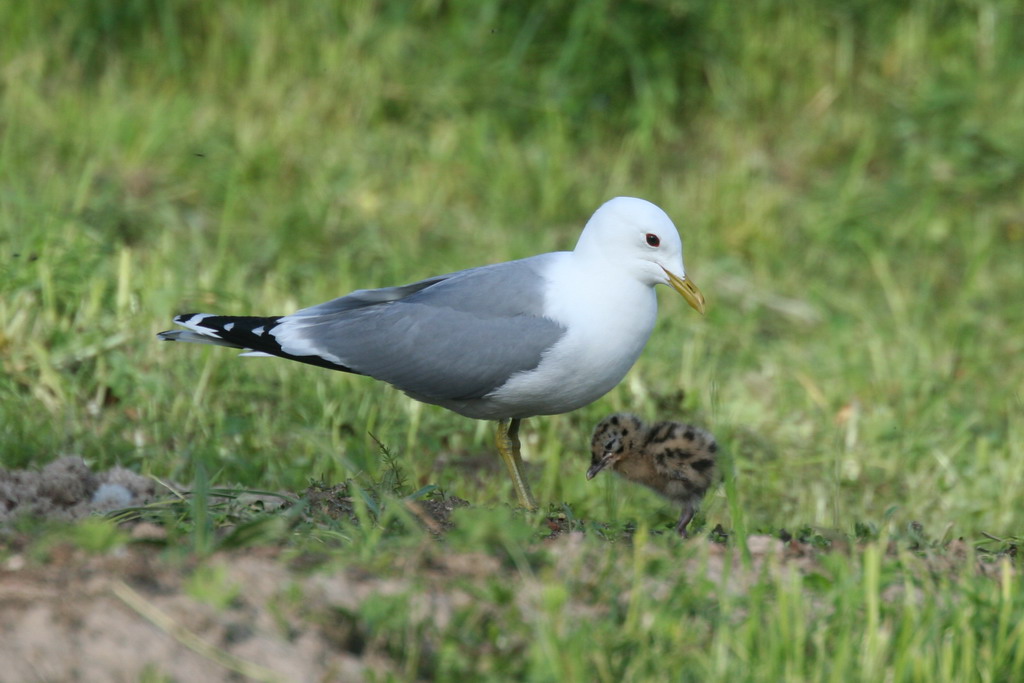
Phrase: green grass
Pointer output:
(848, 180)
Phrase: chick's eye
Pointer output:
(653, 240)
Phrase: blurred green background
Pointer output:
(848, 178)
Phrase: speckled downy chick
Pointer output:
(676, 460)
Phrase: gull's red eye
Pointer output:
(653, 240)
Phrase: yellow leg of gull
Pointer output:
(508, 446)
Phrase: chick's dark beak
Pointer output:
(597, 467)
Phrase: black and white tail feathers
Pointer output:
(234, 332)
(253, 334)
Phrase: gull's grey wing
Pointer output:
(453, 337)
(368, 297)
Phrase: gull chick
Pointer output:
(539, 336)
(674, 459)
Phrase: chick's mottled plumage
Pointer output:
(674, 459)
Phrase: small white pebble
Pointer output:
(112, 495)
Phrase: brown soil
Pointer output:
(82, 618)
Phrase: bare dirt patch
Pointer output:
(118, 618)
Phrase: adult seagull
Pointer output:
(539, 336)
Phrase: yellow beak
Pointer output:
(689, 290)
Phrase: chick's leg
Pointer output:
(688, 511)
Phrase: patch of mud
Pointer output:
(436, 513)
(66, 489)
(332, 501)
